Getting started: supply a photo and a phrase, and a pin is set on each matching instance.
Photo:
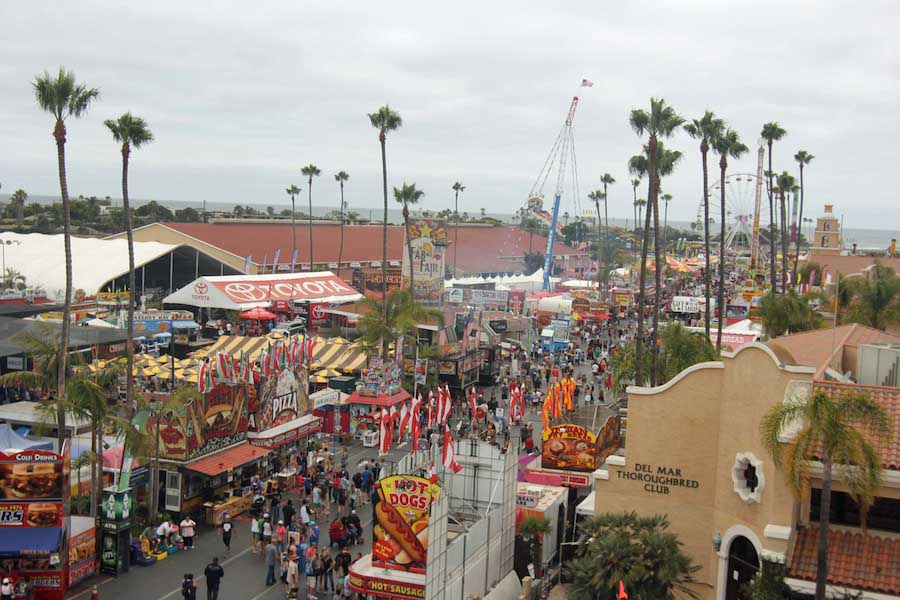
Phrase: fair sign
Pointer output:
(402, 507)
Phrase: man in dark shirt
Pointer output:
(214, 574)
(289, 513)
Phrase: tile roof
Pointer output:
(479, 249)
(226, 460)
(889, 399)
(855, 560)
(850, 265)
(814, 348)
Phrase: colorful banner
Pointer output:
(428, 240)
(282, 398)
(115, 510)
(31, 514)
(569, 447)
(402, 506)
(34, 475)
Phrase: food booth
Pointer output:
(34, 528)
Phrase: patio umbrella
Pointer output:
(315, 379)
(328, 373)
(258, 314)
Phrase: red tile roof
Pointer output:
(227, 459)
(814, 348)
(855, 560)
(850, 265)
(889, 399)
(479, 249)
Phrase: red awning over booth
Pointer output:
(227, 459)
(380, 401)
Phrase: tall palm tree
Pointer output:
(785, 184)
(634, 186)
(660, 122)
(18, 200)
(771, 132)
(728, 144)
(639, 205)
(63, 97)
(666, 198)
(873, 300)
(837, 429)
(707, 129)
(606, 180)
(803, 158)
(341, 177)
(596, 196)
(457, 188)
(407, 195)
(132, 132)
(384, 120)
(403, 313)
(292, 192)
(310, 171)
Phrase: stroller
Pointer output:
(257, 508)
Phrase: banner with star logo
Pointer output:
(428, 241)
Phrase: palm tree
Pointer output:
(341, 177)
(803, 158)
(292, 192)
(533, 528)
(788, 313)
(660, 122)
(771, 132)
(401, 314)
(483, 212)
(707, 129)
(837, 429)
(875, 300)
(384, 120)
(310, 171)
(457, 187)
(131, 132)
(634, 186)
(606, 180)
(174, 406)
(639, 204)
(18, 200)
(596, 196)
(785, 183)
(666, 198)
(728, 144)
(62, 97)
(407, 195)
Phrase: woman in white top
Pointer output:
(187, 531)
(254, 534)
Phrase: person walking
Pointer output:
(266, 531)
(214, 574)
(6, 589)
(187, 526)
(293, 577)
(327, 568)
(280, 536)
(226, 528)
(271, 561)
(254, 534)
(189, 587)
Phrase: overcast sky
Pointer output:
(240, 96)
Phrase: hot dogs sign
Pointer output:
(402, 507)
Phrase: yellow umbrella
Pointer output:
(147, 373)
(339, 340)
(275, 335)
(164, 358)
(101, 364)
(328, 373)
(192, 379)
(319, 379)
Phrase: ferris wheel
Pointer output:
(741, 210)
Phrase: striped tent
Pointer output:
(334, 353)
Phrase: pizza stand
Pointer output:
(34, 531)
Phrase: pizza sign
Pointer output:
(402, 508)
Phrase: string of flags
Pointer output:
(229, 369)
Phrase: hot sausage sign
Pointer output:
(402, 507)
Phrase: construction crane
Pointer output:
(563, 149)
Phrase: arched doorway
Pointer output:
(743, 563)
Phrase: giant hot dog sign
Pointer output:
(402, 507)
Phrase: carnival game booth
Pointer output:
(34, 531)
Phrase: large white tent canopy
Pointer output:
(529, 283)
(95, 262)
(240, 292)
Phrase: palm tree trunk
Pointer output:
(657, 296)
(707, 276)
(455, 230)
(61, 368)
(784, 246)
(634, 208)
(799, 227)
(720, 302)
(384, 240)
(94, 471)
(772, 278)
(341, 245)
(129, 326)
(154, 480)
(824, 522)
(665, 227)
(310, 226)
(293, 233)
(642, 293)
(412, 284)
(605, 241)
(599, 244)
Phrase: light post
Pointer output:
(3, 245)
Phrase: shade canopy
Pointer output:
(258, 314)
(242, 292)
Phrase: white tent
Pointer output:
(95, 262)
(586, 506)
(529, 283)
(240, 292)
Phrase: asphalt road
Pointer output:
(245, 572)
